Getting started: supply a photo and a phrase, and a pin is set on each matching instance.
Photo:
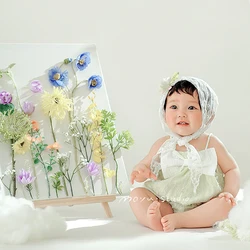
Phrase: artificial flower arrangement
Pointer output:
(79, 158)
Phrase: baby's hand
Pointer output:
(141, 173)
(228, 196)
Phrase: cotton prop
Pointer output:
(21, 222)
(238, 222)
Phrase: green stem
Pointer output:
(52, 129)
(15, 86)
(116, 173)
(8, 188)
(14, 188)
(88, 138)
(61, 65)
(45, 169)
(116, 166)
(92, 184)
(104, 178)
(76, 80)
(103, 175)
(64, 182)
(60, 165)
(29, 189)
(71, 188)
(70, 183)
(34, 171)
(47, 179)
(76, 157)
(67, 177)
(80, 149)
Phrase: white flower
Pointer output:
(166, 84)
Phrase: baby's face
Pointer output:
(183, 113)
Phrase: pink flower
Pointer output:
(5, 97)
(25, 177)
(28, 108)
(93, 169)
(36, 86)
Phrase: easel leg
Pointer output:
(107, 209)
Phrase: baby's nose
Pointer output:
(182, 115)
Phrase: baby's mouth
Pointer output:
(182, 123)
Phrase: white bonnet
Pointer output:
(208, 101)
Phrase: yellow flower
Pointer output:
(96, 138)
(94, 114)
(56, 104)
(22, 145)
(98, 156)
(108, 172)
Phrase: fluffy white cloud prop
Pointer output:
(238, 222)
(21, 222)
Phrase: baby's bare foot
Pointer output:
(154, 216)
(169, 222)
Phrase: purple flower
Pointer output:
(83, 61)
(5, 97)
(28, 108)
(58, 78)
(95, 82)
(93, 169)
(36, 86)
(25, 177)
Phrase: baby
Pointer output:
(193, 180)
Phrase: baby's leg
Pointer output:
(203, 216)
(147, 209)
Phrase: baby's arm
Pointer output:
(142, 171)
(229, 167)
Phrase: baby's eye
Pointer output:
(191, 107)
(173, 107)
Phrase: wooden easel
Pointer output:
(103, 199)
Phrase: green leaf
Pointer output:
(4, 108)
(60, 188)
(11, 65)
(49, 168)
(36, 160)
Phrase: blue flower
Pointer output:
(83, 61)
(58, 78)
(95, 81)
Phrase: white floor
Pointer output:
(88, 228)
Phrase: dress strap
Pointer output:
(208, 139)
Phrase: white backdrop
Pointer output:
(140, 42)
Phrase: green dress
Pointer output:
(175, 183)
